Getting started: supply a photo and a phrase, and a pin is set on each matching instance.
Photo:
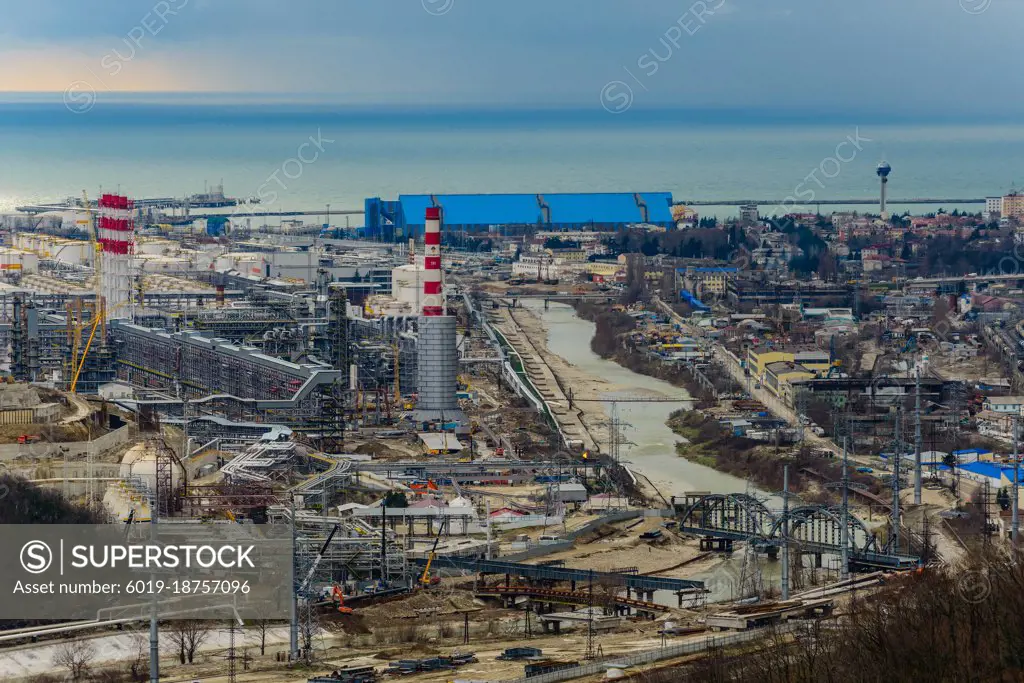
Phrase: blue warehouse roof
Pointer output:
(617, 208)
(474, 209)
(593, 208)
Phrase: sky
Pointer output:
(913, 57)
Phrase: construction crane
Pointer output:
(398, 376)
(77, 325)
(319, 558)
(426, 579)
(96, 318)
(94, 243)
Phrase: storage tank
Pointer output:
(406, 283)
(18, 261)
(139, 462)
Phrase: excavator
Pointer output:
(338, 596)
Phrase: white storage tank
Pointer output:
(18, 260)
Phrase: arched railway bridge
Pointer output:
(813, 529)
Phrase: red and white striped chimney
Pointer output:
(433, 300)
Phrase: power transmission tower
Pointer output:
(785, 532)
(590, 616)
(845, 533)
(1015, 523)
(985, 525)
(232, 673)
(917, 438)
(751, 581)
(844, 484)
(899, 448)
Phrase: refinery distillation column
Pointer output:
(438, 359)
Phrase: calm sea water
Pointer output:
(159, 150)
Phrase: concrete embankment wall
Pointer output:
(45, 449)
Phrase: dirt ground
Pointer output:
(649, 557)
(962, 369)
(585, 385)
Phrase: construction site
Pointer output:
(454, 512)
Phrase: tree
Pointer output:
(75, 656)
(1003, 499)
(138, 666)
(188, 635)
(828, 270)
(262, 625)
(396, 499)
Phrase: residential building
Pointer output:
(813, 360)
(774, 251)
(779, 378)
(1005, 405)
(1012, 205)
(540, 267)
(993, 207)
(711, 283)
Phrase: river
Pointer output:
(651, 447)
(652, 444)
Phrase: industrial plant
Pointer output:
(499, 429)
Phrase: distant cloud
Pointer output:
(786, 53)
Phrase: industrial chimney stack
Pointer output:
(437, 354)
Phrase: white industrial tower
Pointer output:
(883, 171)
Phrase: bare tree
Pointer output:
(75, 656)
(138, 665)
(187, 636)
(262, 625)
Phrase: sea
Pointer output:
(303, 156)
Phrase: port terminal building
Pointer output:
(482, 213)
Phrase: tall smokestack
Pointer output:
(433, 301)
(437, 366)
